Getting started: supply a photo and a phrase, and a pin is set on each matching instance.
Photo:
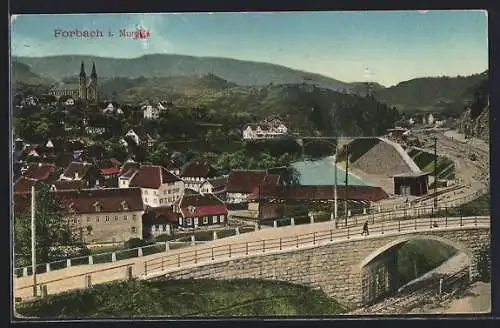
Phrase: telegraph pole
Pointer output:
(435, 173)
(335, 205)
(33, 241)
(346, 181)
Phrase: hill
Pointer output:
(182, 298)
(303, 106)
(24, 77)
(165, 65)
(432, 93)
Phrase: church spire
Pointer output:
(82, 69)
(93, 74)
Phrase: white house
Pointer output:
(138, 136)
(158, 186)
(152, 112)
(110, 109)
(265, 130)
(195, 172)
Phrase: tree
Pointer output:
(52, 230)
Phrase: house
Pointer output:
(195, 210)
(93, 129)
(39, 171)
(270, 129)
(24, 184)
(110, 169)
(158, 221)
(241, 183)
(152, 112)
(197, 171)
(85, 172)
(216, 186)
(411, 184)
(158, 186)
(138, 136)
(98, 215)
(127, 171)
(111, 109)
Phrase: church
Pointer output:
(86, 90)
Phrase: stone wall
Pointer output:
(336, 268)
(383, 159)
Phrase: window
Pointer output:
(157, 228)
(97, 219)
(164, 192)
(125, 217)
(205, 220)
(155, 201)
(134, 230)
(107, 218)
(188, 221)
(145, 200)
(161, 201)
(221, 218)
(88, 218)
(164, 227)
(145, 192)
(116, 217)
(214, 219)
(134, 217)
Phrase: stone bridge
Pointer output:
(355, 270)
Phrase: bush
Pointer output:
(135, 242)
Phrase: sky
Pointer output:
(380, 46)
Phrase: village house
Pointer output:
(265, 130)
(112, 109)
(93, 129)
(158, 186)
(87, 174)
(195, 210)
(98, 215)
(127, 171)
(241, 183)
(216, 186)
(138, 136)
(152, 112)
(158, 221)
(110, 169)
(197, 171)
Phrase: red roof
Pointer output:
(360, 193)
(24, 184)
(85, 201)
(203, 205)
(39, 171)
(152, 176)
(115, 161)
(160, 215)
(198, 169)
(68, 184)
(240, 181)
(110, 171)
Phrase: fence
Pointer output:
(79, 281)
(206, 255)
(114, 256)
(238, 250)
(372, 214)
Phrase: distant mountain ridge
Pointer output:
(164, 65)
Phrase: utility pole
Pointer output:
(33, 241)
(335, 205)
(435, 173)
(346, 180)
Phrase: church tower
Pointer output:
(82, 92)
(93, 85)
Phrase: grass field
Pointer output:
(185, 298)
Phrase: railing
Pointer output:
(112, 256)
(78, 281)
(207, 255)
(372, 214)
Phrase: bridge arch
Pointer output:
(379, 272)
